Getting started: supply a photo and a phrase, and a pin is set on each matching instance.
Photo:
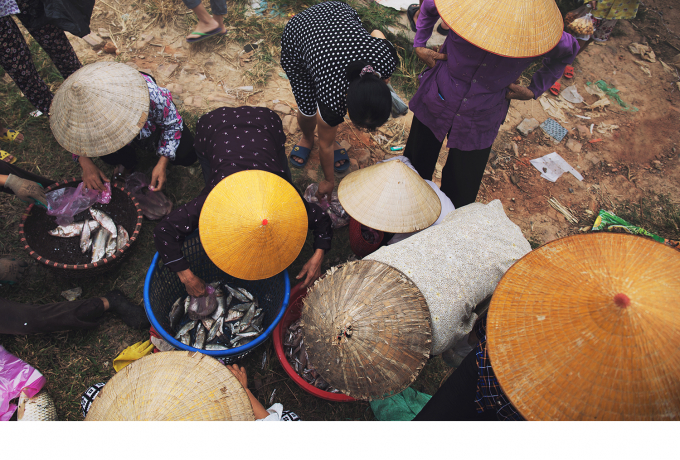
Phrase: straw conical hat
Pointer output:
(99, 109)
(512, 28)
(174, 385)
(587, 328)
(253, 225)
(367, 329)
(389, 197)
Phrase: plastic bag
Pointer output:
(571, 94)
(399, 107)
(65, 203)
(155, 205)
(200, 307)
(334, 209)
(403, 406)
(70, 15)
(579, 23)
(608, 221)
(16, 376)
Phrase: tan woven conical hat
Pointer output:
(253, 225)
(389, 197)
(99, 109)
(588, 328)
(174, 385)
(512, 28)
(367, 329)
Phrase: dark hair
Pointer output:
(369, 101)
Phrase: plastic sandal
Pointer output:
(568, 72)
(300, 152)
(410, 13)
(7, 158)
(340, 154)
(203, 36)
(10, 135)
(555, 89)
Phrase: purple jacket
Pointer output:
(464, 96)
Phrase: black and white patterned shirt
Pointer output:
(317, 46)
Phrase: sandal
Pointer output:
(555, 89)
(7, 158)
(300, 152)
(568, 72)
(339, 155)
(10, 135)
(203, 36)
(410, 13)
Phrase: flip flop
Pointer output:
(568, 72)
(203, 36)
(410, 13)
(10, 135)
(7, 158)
(555, 89)
(338, 155)
(300, 152)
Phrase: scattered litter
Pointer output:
(606, 128)
(571, 94)
(566, 212)
(380, 139)
(594, 141)
(608, 221)
(554, 129)
(72, 294)
(396, 148)
(553, 107)
(271, 398)
(643, 50)
(668, 69)
(612, 93)
(592, 125)
(35, 113)
(582, 116)
(283, 75)
(248, 89)
(552, 166)
(644, 67)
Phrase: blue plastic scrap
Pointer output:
(554, 129)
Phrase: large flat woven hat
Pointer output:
(512, 28)
(174, 385)
(587, 328)
(99, 109)
(253, 225)
(367, 329)
(389, 197)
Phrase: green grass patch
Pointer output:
(655, 213)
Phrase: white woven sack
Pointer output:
(457, 264)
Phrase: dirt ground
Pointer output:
(639, 158)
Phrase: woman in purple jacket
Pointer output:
(466, 93)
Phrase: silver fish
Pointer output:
(187, 301)
(238, 295)
(38, 408)
(85, 238)
(176, 313)
(105, 221)
(68, 231)
(234, 315)
(247, 334)
(208, 323)
(215, 346)
(186, 328)
(229, 300)
(99, 244)
(248, 317)
(123, 237)
(94, 225)
(199, 342)
(248, 295)
(185, 339)
(220, 310)
(243, 307)
(213, 330)
(257, 321)
(111, 246)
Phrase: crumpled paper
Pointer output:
(552, 166)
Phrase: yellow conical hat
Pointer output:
(512, 28)
(253, 225)
(99, 109)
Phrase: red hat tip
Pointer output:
(621, 300)
(265, 222)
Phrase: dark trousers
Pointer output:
(7, 169)
(455, 400)
(127, 156)
(462, 174)
(19, 318)
(15, 58)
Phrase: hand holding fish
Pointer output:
(93, 177)
(195, 285)
(158, 175)
(312, 269)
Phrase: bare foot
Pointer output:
(303, 142)
(19, 139)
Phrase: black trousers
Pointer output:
(462, 174)
(455, 400)
(184, 156)
(19, 318)
(7, 169)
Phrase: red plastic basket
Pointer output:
(360, 247)
(292, 314)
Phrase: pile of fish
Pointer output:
(296, 354)
(101, 235)
(217, 322)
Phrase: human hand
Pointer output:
(312, 269)
(521, 93)
(429, 56)
(195, 285)
(26, 190)
(93, 177)
(240, 374)
(158, 175)
(12, 270)
(325, 190)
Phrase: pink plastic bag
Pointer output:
(334, 209)
(155, 205)
(16, 376)
(201, 307)
(67, 202)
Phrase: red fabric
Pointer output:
(359, 245)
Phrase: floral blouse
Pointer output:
(8, 7)
(163, 115)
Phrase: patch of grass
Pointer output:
(405, 78)
(534, 243)
(165, 11)
(527, 75)
(375, 16)
(655, 213)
